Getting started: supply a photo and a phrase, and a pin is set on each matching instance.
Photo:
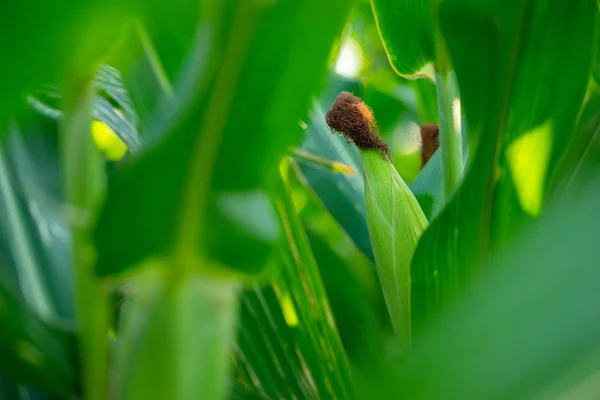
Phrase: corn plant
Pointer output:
(198, 200)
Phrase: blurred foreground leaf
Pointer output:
(163, 325)
(195, 205)
(31, 351)
(530, 325)
(64, 36)
(584, 144)
(225, 124)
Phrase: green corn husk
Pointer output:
(395, 222)
(394, 218)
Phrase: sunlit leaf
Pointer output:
(521, 68)
(406, 28)
(527, 328)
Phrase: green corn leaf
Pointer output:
(426, 100)
(289, 346)
(84, 182)
(395, 222)
(412, 40)
(21, 246)
(36, 225)
(35, 258)
(121, 118)
(584, 144)
(30, 350)
(169, 30)
(406, 29)
(203, 188)
(245, 154)
(596, 68)
(529, 327)
(174, 325)
(70, 39)
(350, 280)
(516, 132)
(109, 89)
(143, 71)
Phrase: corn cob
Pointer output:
(394, 218)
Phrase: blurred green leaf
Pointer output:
(112, 106)
(596, 68)
(516, 129)
(240, 392)
(31, 351)
(170, 29)
(33, 287)
(166, 324)
(530, 325)
(225, 104)
(83, 174)
(62, 37)
(585, 142)
(406, 29)
(203, 188)
(143, 75)
(33, 191)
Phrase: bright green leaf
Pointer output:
(406, 28)
(529, 327)
(521, 69)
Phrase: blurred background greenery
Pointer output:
(178, 221)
